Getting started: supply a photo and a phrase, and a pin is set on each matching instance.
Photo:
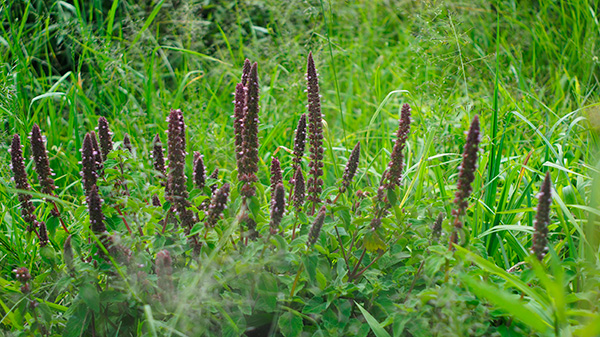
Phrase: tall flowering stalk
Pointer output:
(158, 158)
(315, 230)
(127, 143)
(466, 175)
(299, 189)
(199, 171)
(396, 165)
(276, 175)
(539, 246)
(177, 180)
(217, 205)
(105, 136)
(250, 135)
(238, 124)
(277, 207)
(44, 172)
(351, 168)
(20, 177)
(97, 155)
(89, 175)
(315, 135)
(42, 164)
(94, 203)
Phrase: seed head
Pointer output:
(539, 245)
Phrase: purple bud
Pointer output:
(89, 175)
(276, 175)
(159, 158)
(250, 135)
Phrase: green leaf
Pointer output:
(511, 303)
(377, 329)
(90, 296)
(290, 325)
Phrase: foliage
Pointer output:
(530, 71)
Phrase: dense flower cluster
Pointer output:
(299, 142)
(396, 165)
(539, 245)
(176, 181)
(238, 122)
(127, 143)
(105, 136)
(277, 207)
(466, 175)
(276, 175)
(94, 203)
(351, 168)
(89, 175)
(217, 205)
(159, 158)
(299, 189)
(315, 230)
(315, 135)
(40, 158)
(247, 172)
(199, 171)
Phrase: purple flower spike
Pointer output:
(217, 205)
(351, 168)
(105, 137)
(199, 171)
(42, 164)
(315, 135)
(466, 175)
(396, 165)
(315, 230)
(276, 175)
(277, 207)
(159, 158)
(539, 245)
(250, 135)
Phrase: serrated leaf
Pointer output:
(89, 295)
(373, 242)
(290, 325)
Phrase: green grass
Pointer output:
(529, 70)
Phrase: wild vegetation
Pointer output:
(384, 168)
